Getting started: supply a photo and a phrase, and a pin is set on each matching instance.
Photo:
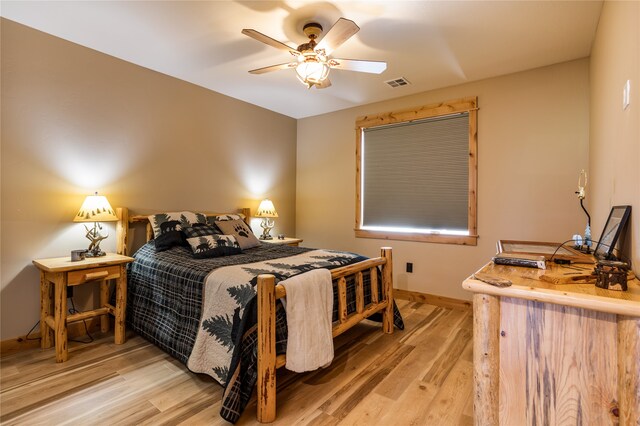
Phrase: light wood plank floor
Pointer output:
(419, 376)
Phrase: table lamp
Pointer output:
(95, 209)
(581, 196)
(266, 211)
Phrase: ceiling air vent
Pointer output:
(397, 82)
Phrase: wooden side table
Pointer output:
(287, 241)
(58, 273)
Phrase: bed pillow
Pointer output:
(240, 230)
(167, 227)
(214, 245)
(201, 230)
(174, 221)
(211, 220)
(169, 239)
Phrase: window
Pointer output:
(416, 174)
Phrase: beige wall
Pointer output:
(76, 121)
(533, 133)
(614, 147)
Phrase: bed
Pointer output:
(239, 335)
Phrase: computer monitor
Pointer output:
(613, 228)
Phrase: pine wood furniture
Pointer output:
(58, 273)
(269, 292)
(549, 353)
(295, 242)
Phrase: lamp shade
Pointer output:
(96, 208)
(312, 69)
(266, 209)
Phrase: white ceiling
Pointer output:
(433, 44)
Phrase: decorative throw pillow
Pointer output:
(201, 230)
(167, 227)
(214, 245)
(169, 239)
(211, 220)
(174, 221)
(240, 230)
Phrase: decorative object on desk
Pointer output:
(281, 236)
(266, 211)
(491, 279)
(577, 241)
(548, 250)
(613, 229)
(96, 209)
(581, 195)
(612, 275)
(527, 260)
(78, 255)
(564, 274)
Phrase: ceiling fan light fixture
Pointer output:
(313, 59)
(312, 69)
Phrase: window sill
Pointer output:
(466, 240)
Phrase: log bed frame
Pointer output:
(269, 292)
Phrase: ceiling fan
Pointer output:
(313, 61)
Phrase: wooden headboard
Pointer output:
(125, 220)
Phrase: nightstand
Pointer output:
(58, 273)
(287, 241)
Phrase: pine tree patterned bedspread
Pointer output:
(166, 304)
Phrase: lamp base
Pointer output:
(95, 237)
(266, 225)
(95, 253)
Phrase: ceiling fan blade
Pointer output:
(323, 84)
(341, 31)
(373, 67)
(273, 68)
(270, 41)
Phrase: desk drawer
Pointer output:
(93, 274)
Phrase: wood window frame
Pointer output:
(468, 104)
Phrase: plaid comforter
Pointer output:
(165, 296)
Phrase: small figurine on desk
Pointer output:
(611, 275)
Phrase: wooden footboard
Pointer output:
(268, 293)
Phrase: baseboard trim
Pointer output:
(19, 344)
(445, 302)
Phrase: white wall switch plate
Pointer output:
(626, 95)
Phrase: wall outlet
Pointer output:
(409, 267)
(626, 95)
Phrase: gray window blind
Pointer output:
(416, 175)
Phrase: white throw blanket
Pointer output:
(309, 306)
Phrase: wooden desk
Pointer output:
(58, 273)
(554, 354)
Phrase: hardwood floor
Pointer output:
(419, 376)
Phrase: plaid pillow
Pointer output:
(201, 230)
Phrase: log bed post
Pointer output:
(122, 231)
(266, 405)
(387, 289)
